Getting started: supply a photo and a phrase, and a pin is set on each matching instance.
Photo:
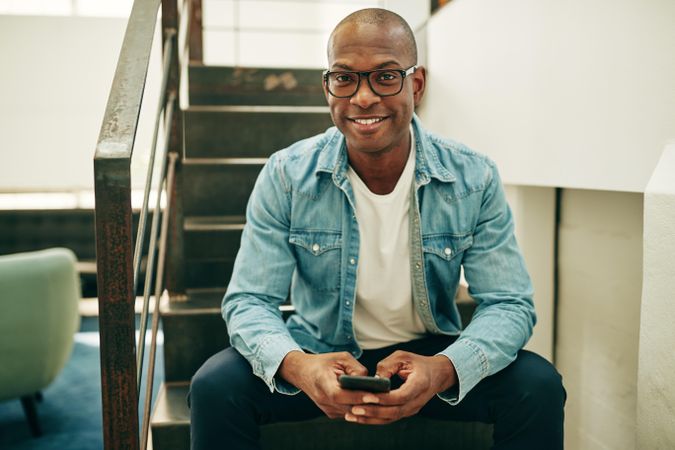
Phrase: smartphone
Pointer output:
(370, 384)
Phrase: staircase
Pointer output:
(237, 117)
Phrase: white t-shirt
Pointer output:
(384, 313)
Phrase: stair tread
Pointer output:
(197, 301)
(171, 407)
(259, 109)
(219, 161)
(212, 223)
(243, 85)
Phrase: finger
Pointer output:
(366, 420)
(349, 397)
(351, 366)
(404, 394)
(377, 412)
(390, 365)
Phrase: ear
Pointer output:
(419, 80)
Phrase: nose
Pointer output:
(364, 96)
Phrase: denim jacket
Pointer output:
(301, 239)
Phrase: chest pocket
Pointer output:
(318, 258)
(446, 246)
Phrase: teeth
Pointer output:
(367, 121)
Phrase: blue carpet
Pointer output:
(70, 413)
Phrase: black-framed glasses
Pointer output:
(383, 82)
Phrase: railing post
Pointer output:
(175, 277)
(116, 303)
(114, 231)
(196, 32)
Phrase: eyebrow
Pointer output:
(379, 66)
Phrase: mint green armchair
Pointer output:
(39, 294)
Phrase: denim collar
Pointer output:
(333, 158)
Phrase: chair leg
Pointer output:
(28, 403)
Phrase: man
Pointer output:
(367, 226)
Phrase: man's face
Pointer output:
(361, 47)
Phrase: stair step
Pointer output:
(171, 430)
(193, 331)
(212, 243)
(249, 131)
(214, 189)
(208, 273)
(217, 85)
(170, 420)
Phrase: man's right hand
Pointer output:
(317, 376)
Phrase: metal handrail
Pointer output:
(118, 266)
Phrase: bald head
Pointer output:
(385, 19)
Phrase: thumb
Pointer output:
(389, 366)
(350, 365)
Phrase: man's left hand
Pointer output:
(424, 377)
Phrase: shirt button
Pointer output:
(347, 303)
(349, 337)
(418, 265)
(315, 248)
(447, 251)
(352, 261)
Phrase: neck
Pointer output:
(380, 171)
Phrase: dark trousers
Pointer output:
(524, 401)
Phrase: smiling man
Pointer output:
(367, 226)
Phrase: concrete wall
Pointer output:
(56, 77)
(656, 393)
(575, 93)
(259, 33)
(600, 279)
(534, 214)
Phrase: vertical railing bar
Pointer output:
(173, 156)
(140, 233)
(140, 348)
(153, 245)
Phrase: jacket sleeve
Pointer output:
(499, 283)
(261, 280)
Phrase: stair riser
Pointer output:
(189, 340)
(210, 190)
(212, 244)
(208, 273)
(253, 86)
(210, 134)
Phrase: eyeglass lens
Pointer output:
(382, 82)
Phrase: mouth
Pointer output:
(368, 123)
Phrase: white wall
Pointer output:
(575, 93)
(275, 33)
(600, 279)
(656, 393)
(534, 215)
(53, 98)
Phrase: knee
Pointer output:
(220, 380)
(538, 382)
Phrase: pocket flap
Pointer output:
(446, 245)
(316, 242)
